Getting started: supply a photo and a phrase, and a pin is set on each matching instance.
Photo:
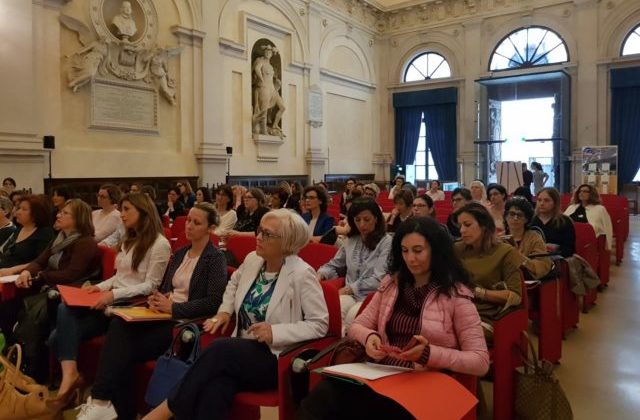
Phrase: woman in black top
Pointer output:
(205, 269)
(250, 213)
(30, 239)
(557, 228)
(174, 207)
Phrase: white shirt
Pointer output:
(227, 222)
(436, 196)
(105, 223)
(182, 279)
(128, 283)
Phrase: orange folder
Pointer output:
(76, 296)
(140, 314)
(425, 394)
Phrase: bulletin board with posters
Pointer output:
(600, 168)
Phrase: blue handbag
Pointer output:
(170, 368)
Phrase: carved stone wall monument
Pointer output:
(266, 86)
(120, 54)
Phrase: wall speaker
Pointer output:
(49, 142)
(229, 150)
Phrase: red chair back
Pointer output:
(332, 299)
(166, 222)
(241, 246)
(587, 244)
(167, 233)
(178, 226)
(316, 255)
(108, 258)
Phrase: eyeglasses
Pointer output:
(584, 191)
(419, 206)
(515, 215)
(310, 197)
(266, 235)
(457, 199)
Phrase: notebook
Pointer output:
(9, 279)
(76, 296)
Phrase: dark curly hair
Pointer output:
(521, 204)
(446, 269)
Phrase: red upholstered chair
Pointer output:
(505, 357)
(166, 222)
(178, 226)
(570, 311)
(167, 233)
(215, 240)
(108, 258)
(604, 261)
(587, 248)
(241, 246)
(316, 255)
(247, 404)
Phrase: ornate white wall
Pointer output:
(349, 51)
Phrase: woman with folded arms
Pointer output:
(586, 208)
(277, 302)
(193, 287)
(30, 239)
(494, 266)
(319, 221)
(226, 213)
(363, 255)
(140, 265)
(72, 257)
(107, 220)
(421, 317)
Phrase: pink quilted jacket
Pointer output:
(451, 324)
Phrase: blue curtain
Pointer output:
(408, 120)
(440, 121)
(625, 131)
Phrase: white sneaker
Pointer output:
(91, 411)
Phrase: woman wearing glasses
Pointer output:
(186, 194)
(518, 214)
(250, 213)
(107, 220)
(277, 302)
(586, 208)
(316, 217)
(423, 206)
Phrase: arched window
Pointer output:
(427, 66)
(631, 44)
(529, 47)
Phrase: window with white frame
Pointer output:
(423, 165)
(427, 66)
(529, 47)
(631, 44)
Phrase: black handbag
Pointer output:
(170, 368)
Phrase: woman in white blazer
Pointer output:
(277, 302)
(586, 208)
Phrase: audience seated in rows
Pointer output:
(557, 228)
(193, 285)
(459, 198)
(30, 239)
(140, 266)
(226, 214)
(494, 266)
(71, 258)
(320, 222)
(185, 194)
(585, 207)
(363, 256)
(402, 210)
(518, 214)
(277, 301)
(435, 192)
(106, 220)
(174, 207)
(421, 317)
(250, 213)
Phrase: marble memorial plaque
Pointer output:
(315, 106)
(123, 107)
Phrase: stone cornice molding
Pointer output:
(346, 79)
(51, 4)
(188, 36)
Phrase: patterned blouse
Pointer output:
(254, 306)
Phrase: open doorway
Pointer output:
(525, 118)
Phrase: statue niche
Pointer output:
(266, 86)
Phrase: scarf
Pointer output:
(59, 244)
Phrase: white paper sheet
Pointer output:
(9, 279)
(371, 371)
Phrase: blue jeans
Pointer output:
(73, 326)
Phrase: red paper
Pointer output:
(426, 395)
(76, 296)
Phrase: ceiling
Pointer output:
(387, 5)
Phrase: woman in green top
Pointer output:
(494, 266)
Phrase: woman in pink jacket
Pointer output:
(422, 317)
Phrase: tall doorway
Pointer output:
(525, 118)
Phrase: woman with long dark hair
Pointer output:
(422, 317)
(363, 255)
(557, 228)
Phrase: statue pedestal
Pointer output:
(267, 147)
